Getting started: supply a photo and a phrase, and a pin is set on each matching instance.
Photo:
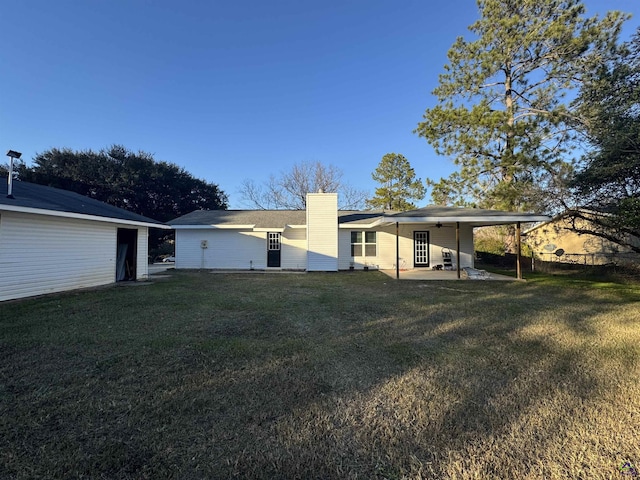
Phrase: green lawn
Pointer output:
(350, 375)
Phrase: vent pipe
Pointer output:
(11, 154)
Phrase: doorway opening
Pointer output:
(126, 255)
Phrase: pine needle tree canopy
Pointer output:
(398, 184)
(501, 111)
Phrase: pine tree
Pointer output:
(500, 113)
(398, 184)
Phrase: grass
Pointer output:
(349, 375)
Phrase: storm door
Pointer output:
(421, 249)
(273, 249)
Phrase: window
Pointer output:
(274, 241)
(363, 244)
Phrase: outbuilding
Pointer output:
(53, 240)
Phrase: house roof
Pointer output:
(264, 218)
(361, 218)
(43, 200)
(279, 219)
(242, 218)
(579, 212)
(476, 217)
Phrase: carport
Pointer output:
(462, 220)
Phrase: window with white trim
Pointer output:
(363, 244)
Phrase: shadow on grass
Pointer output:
(315, 376)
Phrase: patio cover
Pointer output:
(476, 217)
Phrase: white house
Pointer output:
(322, 238)
(53, 240)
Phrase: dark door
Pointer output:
(273, 249)
(421, 249)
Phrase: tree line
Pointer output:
(134, 181)
(538, 107)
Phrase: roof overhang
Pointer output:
(209, 227)
(473, 220)
(80, 216)
(361, 224)
(236, 227)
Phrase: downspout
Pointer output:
(518, 252)
(458, 248)
(397, 252)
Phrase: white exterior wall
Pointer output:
(142, 260)
(294, 249)
(385, 258)
(322, 232)
(232, 249)
(344, 249)
(237, 249)
(386, 246)
(42, 254)
(445, 237)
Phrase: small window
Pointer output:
(363, 244)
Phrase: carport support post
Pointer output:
(397, 252)
(518, 250)
(458, 248)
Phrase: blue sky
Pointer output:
(233, 90)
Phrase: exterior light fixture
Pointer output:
(11, 154)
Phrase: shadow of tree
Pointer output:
(334, 376)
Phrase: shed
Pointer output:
(53, 240)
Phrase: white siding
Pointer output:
(322, 232)
(41, 254)
(445, 237)
(232, 249)
(294, 249)
(386, 246)
(385, 249)
(142, 261)
(344, 249)
(237, 249)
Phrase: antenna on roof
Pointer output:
(12, 154)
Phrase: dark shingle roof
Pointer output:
(257, 218)
(282, 218)
(265, 218)
(440, 211)
(472, 216)
(41, 197)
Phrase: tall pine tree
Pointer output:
(398, 184)
(500, 113)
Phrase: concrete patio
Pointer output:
(428, 274)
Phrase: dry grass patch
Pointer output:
(322, 376)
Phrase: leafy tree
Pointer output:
(609, 181)
(288, 191)
(133, 181)
(398, 184)
(500, 110)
